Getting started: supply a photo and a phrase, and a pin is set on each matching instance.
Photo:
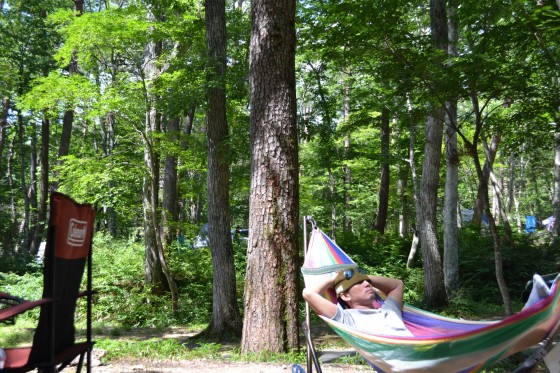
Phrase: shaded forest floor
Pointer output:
(335, 354)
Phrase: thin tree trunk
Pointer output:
(484, 194)
(434, 288)
(23, 230)
(451, 200)
(347, 224)
(44, 190)
(491, 152)
(384, 184)
(3, 126)
(332, 194)
(170, 213)
(415, 187)
(156, 270)
(107, 146)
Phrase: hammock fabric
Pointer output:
(440, 344)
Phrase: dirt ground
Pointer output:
(322, 335)
(206, 366)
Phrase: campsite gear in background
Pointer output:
(548, 223)
(530, 224)
(440, 344)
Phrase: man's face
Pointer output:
(360, 295)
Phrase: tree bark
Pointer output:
(226, 318)
(156, 272)
(415, 187)
(450, 205)
(272, 277)
(491, 152)
(170, 214)
(107, 147)
(434, 289)
(23, 229)
(483, 188)
(556, 196)
(451, 201)
(3, 126)
(384, 183)
(44, 189)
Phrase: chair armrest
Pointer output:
(17, 309)
(9, 299)
(85, 293)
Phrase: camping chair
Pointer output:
(68, 249)
(439, 344)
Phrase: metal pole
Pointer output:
(311, 354)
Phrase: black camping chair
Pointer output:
(67, 252)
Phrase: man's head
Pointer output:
(354, 289)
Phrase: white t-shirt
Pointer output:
(386, 320)
(2, 358)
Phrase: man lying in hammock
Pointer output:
(356, 291)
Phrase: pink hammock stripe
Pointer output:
(324, 256)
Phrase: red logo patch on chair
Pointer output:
(77, 232)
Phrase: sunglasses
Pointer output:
(349, 273)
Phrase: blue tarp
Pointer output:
(530, 224)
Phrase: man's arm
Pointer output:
(319, 304)
(393, 287)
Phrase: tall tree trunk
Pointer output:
(500, 204)
(484, 194)
(556, 196)
(107, 147)
(23, 229)
(170, 212)
(9, 241)
(156, 270)
(44, 190)
(450, 206)
(415, 186)
(347, 224)
(3, 124)
(332, 194)
(384, 183)
(451, 201)
(226, 317)
(434, 289)
(34, 159)
(272, 277)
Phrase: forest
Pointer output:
(422, 136)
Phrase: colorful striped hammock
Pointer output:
(440, 344)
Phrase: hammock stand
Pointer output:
(440, 344)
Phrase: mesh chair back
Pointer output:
(68, 248)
